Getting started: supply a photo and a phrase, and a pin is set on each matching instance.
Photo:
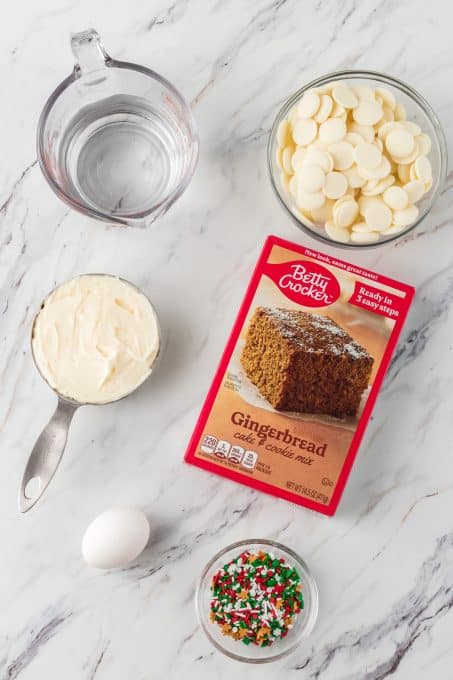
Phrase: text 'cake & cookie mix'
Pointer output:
(300, 374)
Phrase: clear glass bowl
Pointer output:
(418, 111)
(235, 649)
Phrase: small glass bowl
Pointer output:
(235, 649)
(418, 111)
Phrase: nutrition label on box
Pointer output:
(231, 452)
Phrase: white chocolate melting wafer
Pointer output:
(345, 213)
(378, 216)
(344, 96)
(287, 155)
(311, 178)
(298, 157)
(367, 112)
(400, 112)
(387, 97)
(355, 180)
(424, 144)
(309, 200)
(414, 190)
(394, 229)
(308, 105)
(399, 143)
(403, 173)
(368, 237)
(405, 217)
(361, 227)
(336, 185)
(423, 169)
(283, 133)
(365, 131)
(319, 157)
(376, 187)
(396, 198)
(337, 233)
(367, 155)
(364, 92)
(332, 130)
(353, 138)
(342, 155)
(324, 213)
(304, 131)
(324, 110)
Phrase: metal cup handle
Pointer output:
(46, 455)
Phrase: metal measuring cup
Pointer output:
(50, 445)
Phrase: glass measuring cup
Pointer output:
(50, 445)
(115, 140)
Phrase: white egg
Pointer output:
(115, 538)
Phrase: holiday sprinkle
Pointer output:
(256, 598)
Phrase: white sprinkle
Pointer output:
(275, 609)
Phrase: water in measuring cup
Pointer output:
(121, 157)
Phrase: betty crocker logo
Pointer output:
(305, 282)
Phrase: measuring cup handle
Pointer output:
(46, 455)
(89, 52)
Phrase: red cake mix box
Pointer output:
(299, 376)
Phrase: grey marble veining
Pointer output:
(384, 563)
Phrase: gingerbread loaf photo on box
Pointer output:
(305, 362)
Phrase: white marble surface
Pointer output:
(384, 563)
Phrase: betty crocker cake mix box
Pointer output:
(300, 374)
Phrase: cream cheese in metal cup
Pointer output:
(49, 360)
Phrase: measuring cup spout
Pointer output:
(46, 455)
